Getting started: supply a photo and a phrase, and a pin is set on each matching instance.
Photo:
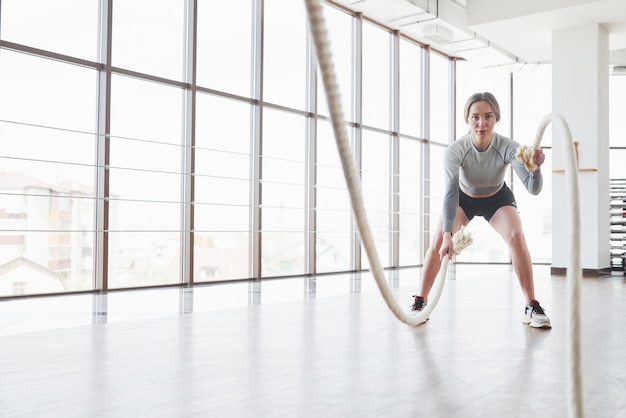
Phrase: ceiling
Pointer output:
(506, 33)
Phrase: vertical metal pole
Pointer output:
(510, 181)
(256, 141)
(394, 178)
(357, 66)
(310, 178)
(425, 173)
(189, 139)
(510, 133)
(452, 135)
(511, 97)
(103, 129)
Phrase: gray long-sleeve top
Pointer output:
(481, 173)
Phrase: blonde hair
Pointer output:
(482, 97)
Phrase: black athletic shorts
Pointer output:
(486, 206)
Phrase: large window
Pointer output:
(68, 27)
(410, 208)
(284, 59)
(410, 167)
(436, 185)
(203, 151)
(333, 213)
(145, 183)
(376, 192)
(223, 49)
(376, 54)
(283, 189)
(410, 92)
(340, 31)
(47, 122)
(148, 37)
(334, 230)
(440, 96)
(222, 189)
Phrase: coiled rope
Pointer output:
(574, 273)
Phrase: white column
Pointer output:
(580, 87)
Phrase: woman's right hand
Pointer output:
(447, 246)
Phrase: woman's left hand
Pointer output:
(538, 158)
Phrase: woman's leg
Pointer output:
(507, 223)
(432, 260)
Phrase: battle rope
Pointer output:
(320, 38)
(574, 271)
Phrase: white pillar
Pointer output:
(580, 87)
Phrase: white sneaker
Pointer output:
(535, 316)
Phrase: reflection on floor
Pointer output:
(311, 347)
(44, 313)
(54, 312)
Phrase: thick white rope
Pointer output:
(320, 38)
(574, 271)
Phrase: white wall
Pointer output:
(580, 95)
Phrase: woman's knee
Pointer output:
(516, 238)
(436, 241)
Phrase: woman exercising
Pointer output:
(475, 166)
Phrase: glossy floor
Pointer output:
(312, 347)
